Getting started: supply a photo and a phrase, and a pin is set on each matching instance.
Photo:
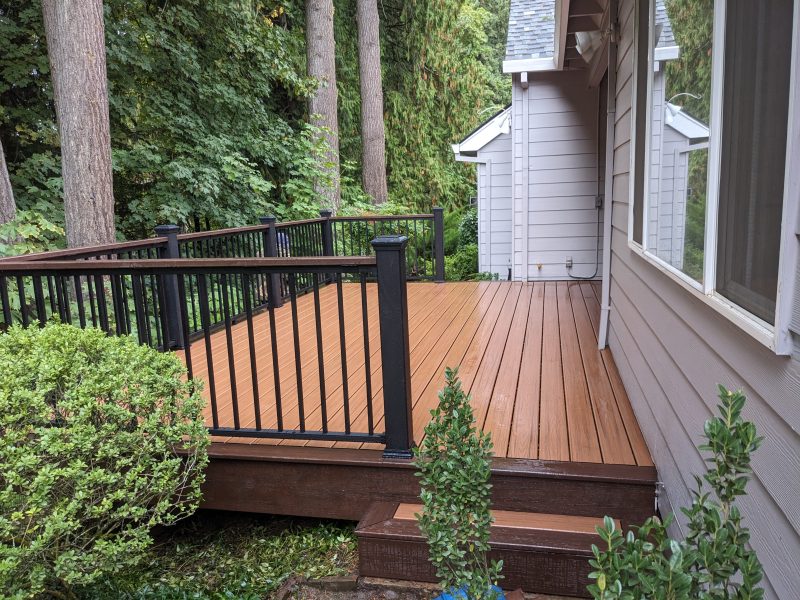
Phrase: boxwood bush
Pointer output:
(100, 440)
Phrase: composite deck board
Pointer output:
(527, 353)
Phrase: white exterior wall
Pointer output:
(667, 188)
(672, 350)
(494, 206)
(555, 177)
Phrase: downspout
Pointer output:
(611, 111)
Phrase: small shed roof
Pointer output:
(484, 133)
(685, 124)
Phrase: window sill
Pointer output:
(750, 324)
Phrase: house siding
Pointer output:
(494, 204)
(672, 351)
(554, 129)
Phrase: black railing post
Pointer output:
(438, 243)
(390, 258)
(274, 295)
(327, 232)
(327, 237)
(172, 309)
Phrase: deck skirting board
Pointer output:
(343, 483)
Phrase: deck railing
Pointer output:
(176, 290)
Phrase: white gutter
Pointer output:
(611, 111)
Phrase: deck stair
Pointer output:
(541, 552)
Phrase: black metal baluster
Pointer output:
(205, 319)
(184, 317)
(156, 312)
(367, 366)
(297, 357)
(275, 365)
(65, 295)
(23, 301)
(126, 313)
(248, 310)
(77, 283)
(53, 283)
(102, 308)
(161, 282)
(92, 302)
(115, 302)
(137, 307)
(51, 296)
(6, 303)
(38, 295)
(226, 312)
(343, 351)
(323, 400)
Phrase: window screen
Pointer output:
(758, 40)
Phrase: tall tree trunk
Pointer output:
(8, 208)
(373, 140)
(76, 48)
(321, 53)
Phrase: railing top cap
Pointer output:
(389, 241)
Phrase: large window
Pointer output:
(711, 116)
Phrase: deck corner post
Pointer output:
(438, 243)
(327, 232)
(390, 258)
(274, 295)
(172, 299)
(327, 236)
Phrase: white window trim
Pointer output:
(776, 337)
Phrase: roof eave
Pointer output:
(528, 65)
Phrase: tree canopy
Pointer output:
(208, 106)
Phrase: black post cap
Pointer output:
(267, 219)
(167, 229)
(390, 241)
(326, 213)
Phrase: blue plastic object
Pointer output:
(461, 594)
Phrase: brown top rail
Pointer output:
(88, 251)
(190, 265)
(202, 235)
(383, 217)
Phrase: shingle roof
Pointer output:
(667, 39)
(531, 29)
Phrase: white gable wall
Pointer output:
(563, 178)
(494, 206)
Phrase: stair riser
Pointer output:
(536, 571)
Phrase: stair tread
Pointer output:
(522, 520)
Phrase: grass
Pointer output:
(227, 555)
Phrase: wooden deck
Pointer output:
(527, 354)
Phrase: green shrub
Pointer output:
(452, 231)
(713, 562)
(468, 228)
(453, 466)
(102, 439)
(462, 265)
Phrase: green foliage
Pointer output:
(468, 228)
(215, 556)
(713, 562)
(462, 265)
(102, 440)
(208, 106)
(441, 77)
(453, 466)
(29, 232)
